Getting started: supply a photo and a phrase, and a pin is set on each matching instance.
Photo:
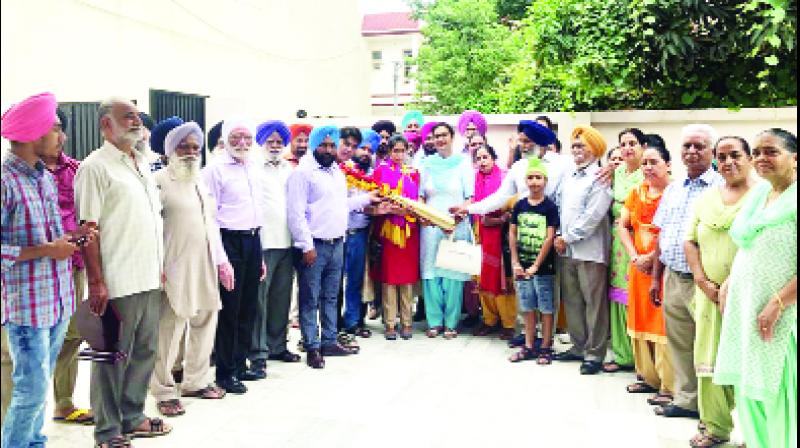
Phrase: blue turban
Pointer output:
(159, 133)
(319, 133)
(265, 129)
(413, 115)
(371, 138)
(214, 134)
(539, 134)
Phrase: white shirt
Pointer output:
(275, 228)
(125, 205)
(515, 184)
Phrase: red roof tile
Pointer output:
(388, 23)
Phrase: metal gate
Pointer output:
(165, 104)
(83, 129)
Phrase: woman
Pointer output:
(627, 176)
(399, 236)
(496, 282)
(758, 345)
(645, 319)
(709, 252)
(446, 181)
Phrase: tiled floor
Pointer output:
(421, 393)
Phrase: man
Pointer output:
(584, 243)
(216, 146)
(193, 259)
(355, 243)
(63, 169)
(270, 332)
(385, 129)
(677, 202)
(155, 156)
(317, 213)
(299, 146)
(115, 191)
(235, 183)
(38, 292)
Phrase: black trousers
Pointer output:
(237, 316)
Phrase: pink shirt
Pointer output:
(236, 188)
(64, 173)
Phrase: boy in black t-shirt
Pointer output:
(533, 226)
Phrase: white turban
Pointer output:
(177, 134)
(235, 123)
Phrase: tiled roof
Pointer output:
(388, 23)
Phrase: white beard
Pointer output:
(185, 168)
(238, 153)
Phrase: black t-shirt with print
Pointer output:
(532, 222)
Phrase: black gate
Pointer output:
(164, 104)
(83, 129)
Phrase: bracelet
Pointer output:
(780, 302)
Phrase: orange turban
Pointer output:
(297, 129)
(591, 137)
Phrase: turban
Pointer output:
(591, 137)
(319, 133)
(147, 121)
(229, 125)
(159, 133)
(31, 119)
(177, 134)
(426, 129)
(413, 115)
(413, 138)
(267, 128)
(539, 134)
(371, 138)
(297, 129)
(214, 134)
(384, 125)
(535, 165)
(472, 116)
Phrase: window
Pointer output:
(407, 55)
(377, 56)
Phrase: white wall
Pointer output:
(263, 58)
(391, 46)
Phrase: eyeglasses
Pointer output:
(437, 136)
(238, 138)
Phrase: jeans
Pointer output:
(34, 352)
(536, 294)
(355, 259)
(318, 286)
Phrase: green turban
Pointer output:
(535, 164)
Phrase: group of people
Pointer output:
(689, 281)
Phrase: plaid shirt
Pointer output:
(673, 214)
(36, 293)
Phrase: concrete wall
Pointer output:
(263, 58)
(382, 79)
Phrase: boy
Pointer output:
(531, 234)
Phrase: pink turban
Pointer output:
(426, 129)
(31, 119)
(413, 138)
(472, 116)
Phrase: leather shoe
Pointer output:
(286, 356)
(591, 367)
(232, 385)
(257, 371)
(567, 356)
(314, 359)
(336, 350)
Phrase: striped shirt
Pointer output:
(36, 293)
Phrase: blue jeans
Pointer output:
(318, 287)
(536, 294)
(355, 259)
(34, 352)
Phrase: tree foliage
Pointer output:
(575, 55)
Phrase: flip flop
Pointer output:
(76, 417)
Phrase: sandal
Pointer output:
(524, 354)
(390, 334)
(170, 408)
(449, 333)
(641, 388)
(348, 341)
(209, 392)
(362, 332)
(76, 417)
(706, 440)
(115, 442)
(545, 356)
(660, 399)
(406, 333)
(433, 332)
(156, 427)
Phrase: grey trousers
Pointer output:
(274, 301)
(678, 294)
(118, 391)
(584, 290)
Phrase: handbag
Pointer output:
(459, 256)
